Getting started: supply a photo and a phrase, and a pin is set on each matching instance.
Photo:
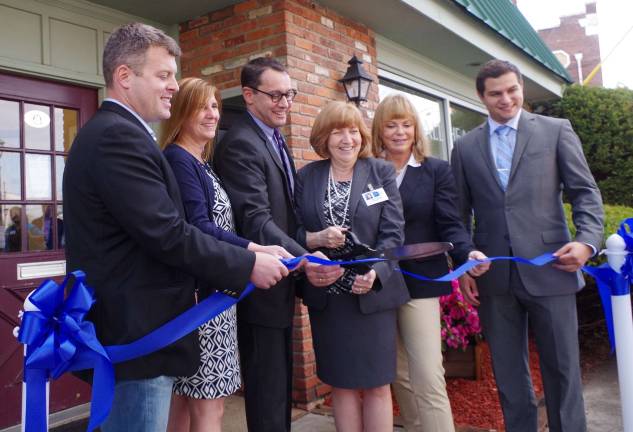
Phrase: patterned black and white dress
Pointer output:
(219, 372)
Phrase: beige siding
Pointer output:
(58, 39)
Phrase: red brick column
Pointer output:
(315, 44)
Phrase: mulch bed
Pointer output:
(476, 403)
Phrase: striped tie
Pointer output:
(504, 148)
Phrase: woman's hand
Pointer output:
(363, 283)
(321, 275)
(274, 250)
(331, 238)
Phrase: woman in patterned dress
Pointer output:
(186, 139)
(353, 320)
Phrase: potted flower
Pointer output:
(461, 332)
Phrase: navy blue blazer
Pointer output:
(429, 200)
(198, 195)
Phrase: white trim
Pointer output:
(474, 32)
(431, 91)
(40, 269)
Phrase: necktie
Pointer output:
(285, 161)
(504, 149)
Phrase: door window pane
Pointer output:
(61, 235)
(464, 120)
(430, 113)
(37, 127)
(60, 163)
(38, 177)
(9, 124)
(10, 173)
(66, 121)
(10, 230)
(39, 227)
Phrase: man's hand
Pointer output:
(468, 286)
(267, 271)
(572, 256)
(479, 269)
(278, 251)
(320, 275)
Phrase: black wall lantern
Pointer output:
(356, 81)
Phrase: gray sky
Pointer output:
(615, 18)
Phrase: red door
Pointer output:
(38, 122)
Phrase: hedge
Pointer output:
(603, 119)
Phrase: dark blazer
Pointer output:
(528, 219)
(254, 179)
(380, 226)
(429, 199)
(198, 195)
(125, 229)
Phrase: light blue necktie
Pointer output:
(504, 147)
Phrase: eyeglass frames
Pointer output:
(276, 96)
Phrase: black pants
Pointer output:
(266, 362)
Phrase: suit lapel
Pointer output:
(273, 154)
(359, 183)
(524, 133)
(319, 189)
(116, 108)
(483, 142)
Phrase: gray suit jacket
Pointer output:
(379, 226)
(528, 219)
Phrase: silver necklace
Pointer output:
(331, 184)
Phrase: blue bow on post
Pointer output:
(611, 283)
(58, 340)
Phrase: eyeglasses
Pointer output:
(276, 96)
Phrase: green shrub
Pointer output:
(603, 120)
(613, 216)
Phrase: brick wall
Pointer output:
(315, 44)
(571, 36)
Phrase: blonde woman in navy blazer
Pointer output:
(429, 199)
(353, 319)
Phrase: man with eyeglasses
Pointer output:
(258, 172)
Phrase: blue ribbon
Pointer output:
(58, 339)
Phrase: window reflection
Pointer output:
(37, 127)
(41, 222)
(10, 174)
(60, 163)
(9, 124)
(463, 120)
(38, 176)
(10, 227)
(61, 235)
(66, 121)
(430, 113)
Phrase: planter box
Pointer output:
(463, 364)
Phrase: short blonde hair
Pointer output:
(338, 115)
(397, 106)
(192, 96)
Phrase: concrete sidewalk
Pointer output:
(601, 392)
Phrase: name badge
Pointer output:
(375, 196)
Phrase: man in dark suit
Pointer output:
(511, 173)
(258, 172)
(125, 228)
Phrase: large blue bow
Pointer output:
(58, 340)
(611, 283)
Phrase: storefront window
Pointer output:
(430, 111)
(464, 120)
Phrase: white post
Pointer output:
(30, 307)
(623, 329)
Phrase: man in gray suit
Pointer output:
(511, 174)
